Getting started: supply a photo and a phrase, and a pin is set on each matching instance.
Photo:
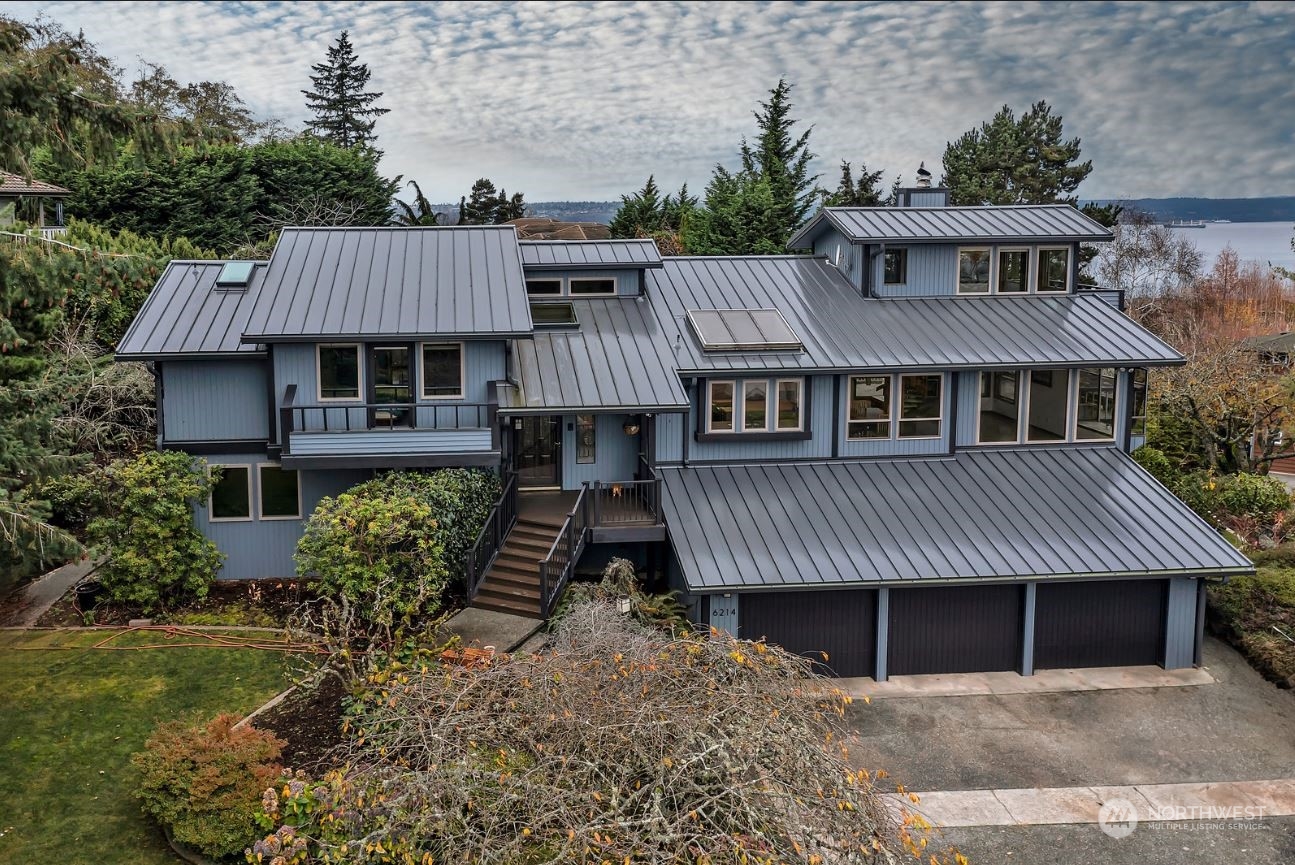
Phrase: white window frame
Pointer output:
(260, 498)
(251, 510)
(996, 268)
(615, 281)
(1074, 407)
(899, 406)
(423, 396)
(800, 404)
(746, 383)
(710, 392)
(1072, 397)
(562, 285)
(957, 271)
(1021, 405)
(359, 372)
(889, 420)
(1038, 268)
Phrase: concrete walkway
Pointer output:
(29, 603)
(1225, 801)
(1042, 682)
(487, 629)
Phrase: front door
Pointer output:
(391, 390)
(538, 451)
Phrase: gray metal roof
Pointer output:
(616, 359)
(1017, 222)
(842, 331)
(389, 282)
(1024, 513)
(186, 315)
(589, 254)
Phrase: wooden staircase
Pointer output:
(512, 584)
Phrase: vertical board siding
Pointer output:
(932, 272)
(893, 447)
(259, 549)
(669, 437)
(928, 198)
(616, 455)
(955, 629)
(819, 418)
(968, 407)
(1099, 624)
(839, 624)
(1180, 624)
(209, 400)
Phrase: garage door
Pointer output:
(841, 623)
(955, 629)
(1099, 624)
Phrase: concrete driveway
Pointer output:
(1241, 728)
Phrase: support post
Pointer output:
(883, 632)
(1027, 630)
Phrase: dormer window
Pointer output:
(896, 267)
(1054, 270)
(1013, 271)
(544, 286)
(603, 286)
(973, 271)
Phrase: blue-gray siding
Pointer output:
(895, 446)
(208, 400)
(615, 454)
(736, 447)
(932, 271)
(263, 548)
(393, 442)
(1180, 624)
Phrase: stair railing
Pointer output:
(503, 516)
(557, 567)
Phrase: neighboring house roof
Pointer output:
(547, 228)
(1017, 223)
(357, 283)
(617, 359)
(16, 184)
(1026, 513)
(1279, 343)
(842, 331)
(588, 254)
(186, 315)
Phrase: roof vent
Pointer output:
(743, 330)
(923, 177)
(235, 275)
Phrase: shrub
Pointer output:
(154, 556)
(1158, 465)
(1257, 497)
(204, 784)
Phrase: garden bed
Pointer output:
(309, 721)
(242, 603)
(1257, 615)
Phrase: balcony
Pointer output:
(387, 435)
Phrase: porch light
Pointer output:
(631, 426)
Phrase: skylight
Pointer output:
(235, 274)
(743, 330)
(553, 315)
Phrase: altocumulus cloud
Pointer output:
(579, 100)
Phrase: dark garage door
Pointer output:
(955, 629)
(1099, 624)
(841, 623)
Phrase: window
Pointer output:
(1054, 270)
(920, 406)
(280, 492)
(896, 267)
(1000, 407)
(235, 274)
(869, 416)
(593, 286)
(339, 372)
(543, 286)
(755, 406)
(1138, 399)
(1013, 271)
(789, 417)
(231, 495)
(1095, 409)
(973, 271)
(1049, 401)
(586, 440)
(553, 314)
(443, 371)
(721, 407)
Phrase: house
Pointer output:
(906, 448)
(25, 200)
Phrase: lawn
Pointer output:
(71, 718)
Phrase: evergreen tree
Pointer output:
(856, 193)
(485, 205)
(344, 112)
(782, 157)
(639, 214)
(419, 213)
(1010, 161)
(740, 216)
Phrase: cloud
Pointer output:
(582, 101)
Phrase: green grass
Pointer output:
(71, 717)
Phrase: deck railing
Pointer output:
(364, 416)
(626, 502)
(556, 568)
(503, 516)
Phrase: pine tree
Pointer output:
(639, 214)
(344, 111)
(485, 205)
(741, 216)
(856, 193)
(782, 158)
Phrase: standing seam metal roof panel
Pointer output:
(993, 514)
(185, 314)
(393, 283)
(1023, 223)
(586, 254)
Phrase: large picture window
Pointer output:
(921, 405)
(1013, 271)
(1049, 405)
(1095, 412)
(1054, 270)
(720, 398)
(280, 492)
(339, 371)
(231, 494)
(1000, 407)
(1138, 398)
(973, 271)
(443, 371)
(869, 416)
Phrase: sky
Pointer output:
(581, 101)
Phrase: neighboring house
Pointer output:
(548, 228)
(907, 449)
(33, 201)
(1276, 349)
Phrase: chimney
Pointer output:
(923, 177)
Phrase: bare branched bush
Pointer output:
(620, 743)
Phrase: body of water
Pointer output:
(1264, 242)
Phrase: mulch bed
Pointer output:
(309, 721)
(254, 603)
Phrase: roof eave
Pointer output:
(617, 265)
(954, 367)
(255, 338)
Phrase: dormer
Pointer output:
(586, 268)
